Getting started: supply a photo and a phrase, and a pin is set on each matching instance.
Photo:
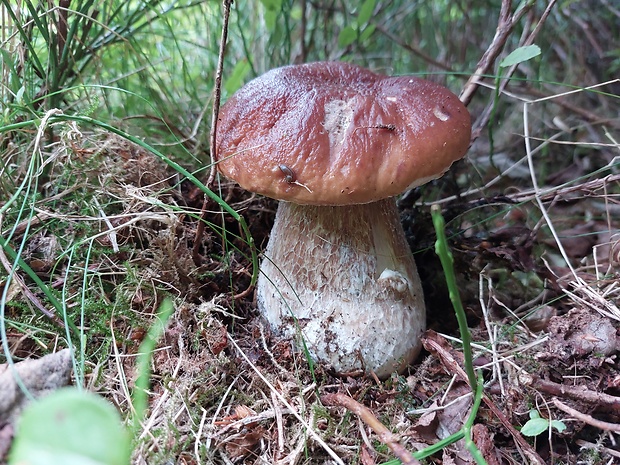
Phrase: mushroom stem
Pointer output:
(343, 279)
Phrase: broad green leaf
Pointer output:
(272, 10)
(534, 413)
(270, 19)
(534, 427)
(366, 10)
(19, 97)
(520, 55)
(347, 36)
(70, 427)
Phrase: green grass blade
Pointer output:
(140, 393)
(447, 262)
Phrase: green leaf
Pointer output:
(367, 32)
(238, 74)
(296, 13)
(534, 413)
(270, 17)
(273, 5)
(520, 55)
(366, 10)
(534, 427)
(143, 364)
(70, 427)
(347, 36)
(19, 97)
(272, 10)
(558, 425)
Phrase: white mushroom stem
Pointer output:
(344, 280)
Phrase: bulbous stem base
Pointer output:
(344, 280)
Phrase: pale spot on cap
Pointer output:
(441, 114)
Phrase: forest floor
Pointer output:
(227, 390)
(103, 230)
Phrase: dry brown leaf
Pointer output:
(425, 429)
(484, 441)
(240, 412)
(367, 456)
(242, 444)
(451, 419)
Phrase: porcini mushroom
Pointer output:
(335, 143)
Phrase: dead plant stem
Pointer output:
(217, 95)
(603, 425)
(385, 435)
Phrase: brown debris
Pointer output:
(483, 438)
(581, 337)
(385, 435)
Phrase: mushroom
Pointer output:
(335, 143)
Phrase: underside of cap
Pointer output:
(332, 133)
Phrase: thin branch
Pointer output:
(218, 91)
(587, 419)
(303, 53)
(385, 435)
(217, 95)
(505, 25)
(484, 118)
(597, 447)
(580, 393)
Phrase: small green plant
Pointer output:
(71, 427)
(537, 425)
(76, 427)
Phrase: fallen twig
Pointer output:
(600, 399)
(266, 415)
(385, 435)
(603, 425)
(597, 447)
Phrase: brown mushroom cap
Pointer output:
(332, 133)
